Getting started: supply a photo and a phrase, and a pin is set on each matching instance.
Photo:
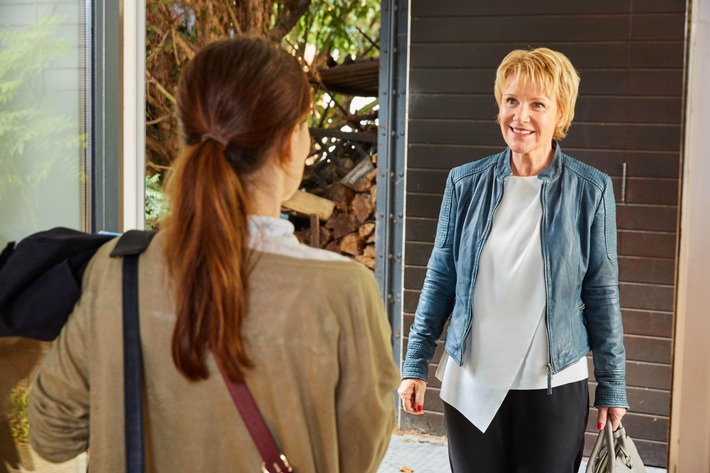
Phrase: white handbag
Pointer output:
(625, 458)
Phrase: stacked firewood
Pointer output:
(335, 208)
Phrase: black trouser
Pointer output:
(533, 432)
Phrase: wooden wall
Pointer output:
(630, 55)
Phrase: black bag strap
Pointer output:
(130, 246)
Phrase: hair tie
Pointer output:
(215, 137)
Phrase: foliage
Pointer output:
(25, 125)
(154, 200)
(337, 28)
(17, 414)
(319, 32)
(332, 32)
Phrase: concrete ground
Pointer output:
(407, 453)
(415, 453)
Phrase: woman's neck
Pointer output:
(531, 164)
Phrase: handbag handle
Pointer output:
(605, 437)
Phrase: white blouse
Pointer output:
(506, 347)
(275, 235)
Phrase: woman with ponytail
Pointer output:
(226, 285)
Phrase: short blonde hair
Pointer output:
(552, 71)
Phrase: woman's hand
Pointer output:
(614, 413)
(411, 392)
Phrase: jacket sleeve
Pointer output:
(59, 399)
(365, 409)
(600, 293)
(436, 300)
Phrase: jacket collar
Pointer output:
(550, 173)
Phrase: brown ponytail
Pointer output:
(237, 99)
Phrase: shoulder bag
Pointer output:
(614, 452)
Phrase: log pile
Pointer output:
(348, 188)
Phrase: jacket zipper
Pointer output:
(546, 270)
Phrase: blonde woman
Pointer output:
(524, 267)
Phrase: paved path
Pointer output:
(416, 453)
(410, 452)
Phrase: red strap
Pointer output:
(274, 460)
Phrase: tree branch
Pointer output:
(237, 26)
(160, 87)
(286, 22)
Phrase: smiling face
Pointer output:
(528, 117)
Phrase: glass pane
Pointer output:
(42, 117)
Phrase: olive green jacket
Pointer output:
(323, 377)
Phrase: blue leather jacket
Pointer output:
(578, 237)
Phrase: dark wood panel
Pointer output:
(467, 107)
(584, 55)
(657, 55)
(647, 270)
(653, 349)
(645, 375)
(592, 108)
(646, 191)
(625, 136)
(424, 205)
(638, 163)
(427, 8)
(646, 322)
(658, 6)
(446, 157)
(647, 217)
(669, 26)
(429, 181)
(649, 375)
(650, 82)
(646, 296)
(410, 300)
(519, 28)
(654, 245)
(649, 402)
(450, 81)
(652, 191)
(421, 229)
(414, 277)
(417, 254)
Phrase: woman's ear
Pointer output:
(288, 146)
